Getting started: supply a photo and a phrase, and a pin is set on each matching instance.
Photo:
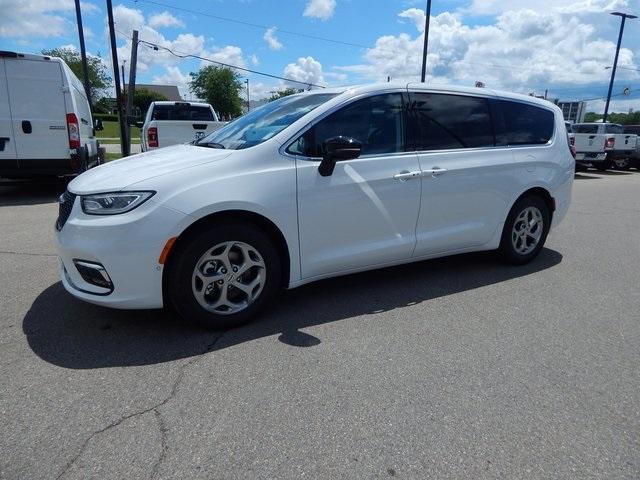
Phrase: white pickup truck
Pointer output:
(171, 123)
(601, 145)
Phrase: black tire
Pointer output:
(507, 250)
(602, 166)
(189, 252)
(621, 163)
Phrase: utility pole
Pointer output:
(248, 102)
(132, 85)
(426, 41)
(116, 78)
(624, 17)
(83, 54)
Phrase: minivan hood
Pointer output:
(117, 175)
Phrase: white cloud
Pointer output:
(305, 70)
(34, 18)
(128, 19)
(255, 61)
(522, 50)
(271, 39)
(496, 7)
(173, 76)
(416, 15)
(164, 19)
(322, 9)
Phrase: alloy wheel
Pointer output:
(527, 230)
(228, 277)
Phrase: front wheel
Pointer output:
(525, 230)
(223, 276)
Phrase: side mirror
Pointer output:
(337, 149)
(97, 124)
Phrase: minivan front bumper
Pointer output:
(126, 246)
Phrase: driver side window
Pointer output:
(377, 122)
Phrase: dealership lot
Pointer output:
(448, 368)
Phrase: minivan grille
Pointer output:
(66, 202)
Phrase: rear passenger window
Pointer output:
(440, 121)
(615, 129)
(181, 111)
(585, 129)
(524, 124)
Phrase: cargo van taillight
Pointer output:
(152, 136)
(74, 131)
(610, 143)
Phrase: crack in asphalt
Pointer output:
(163, 443)
(163, 429)
(10, 252)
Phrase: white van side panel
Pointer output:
(44, 112)
(7, 139)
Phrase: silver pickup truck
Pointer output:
(602, 145)
(634, 160)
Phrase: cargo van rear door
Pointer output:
(7, 140)
(36, 94)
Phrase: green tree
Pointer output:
(99, 78)
(219, 86)
(284, 93)
(632, 118)
(142, 98)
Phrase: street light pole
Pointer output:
(426, 41)
(248, 101)
(83, 54)
(624, 17)
(116, 79)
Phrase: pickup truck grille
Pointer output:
(66, 201)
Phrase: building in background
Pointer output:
(170, 91)
(573, 112)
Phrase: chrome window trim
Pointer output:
(283, 148)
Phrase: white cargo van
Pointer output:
(45, 120)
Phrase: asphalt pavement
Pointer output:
(453, 368)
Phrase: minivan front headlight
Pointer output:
(113, 203)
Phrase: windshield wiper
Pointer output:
(211, 145)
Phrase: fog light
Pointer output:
(93, 273)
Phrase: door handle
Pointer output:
(434, 172)
(404, 176)
(26, 126)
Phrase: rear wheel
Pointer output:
(525, 230)
(222, 277)
(621, 163)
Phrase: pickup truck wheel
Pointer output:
(223, 276)
(525, 230)
(622, 164)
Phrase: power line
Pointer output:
(313, 37)
(180, 54)
(250, 24)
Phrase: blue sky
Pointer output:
(518, 45)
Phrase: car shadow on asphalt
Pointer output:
(31, 191)
(73, 334)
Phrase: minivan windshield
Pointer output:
(263, 123)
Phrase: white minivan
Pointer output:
(316, 185)
(45, 120)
